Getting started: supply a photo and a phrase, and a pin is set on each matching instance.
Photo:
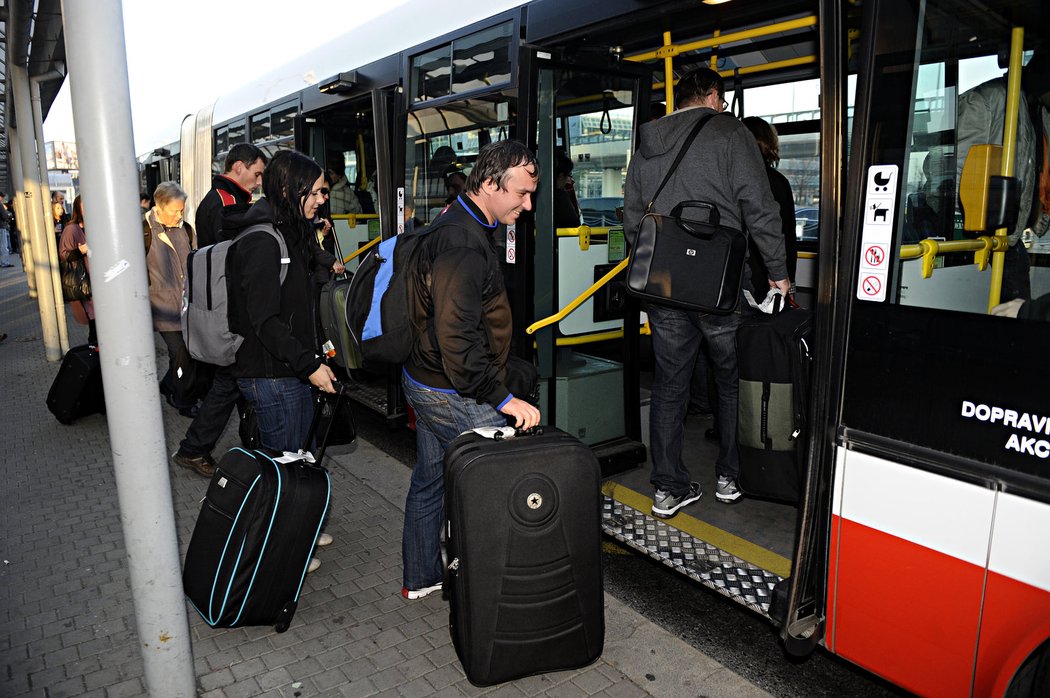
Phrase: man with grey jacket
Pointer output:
(724, 167)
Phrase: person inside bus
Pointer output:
(724, 167)
(982, 113)
(342, 197)
(769, 144)
(566, 206)
(230, 192)
(456, 375)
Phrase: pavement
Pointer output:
(67, 625)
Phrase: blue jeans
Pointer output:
(440, 417)
(676, 339)
(284, 408)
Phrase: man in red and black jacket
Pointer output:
(231, 192)
(244, 167)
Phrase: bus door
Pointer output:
(582, 127)
(932, 347)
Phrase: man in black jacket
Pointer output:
(230, 193)
(455, 376)
(243, 173)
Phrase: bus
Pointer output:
(913, 135)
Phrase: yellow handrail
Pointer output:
(671, 50)
(370, 245)
(353, 218)
(929, 249)
(558, 316)
(758, 68)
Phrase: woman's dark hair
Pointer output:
(496, 159)
(288, 178)
(78, 212)
(766, 135)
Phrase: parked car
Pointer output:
(600, 211)
(807, 224)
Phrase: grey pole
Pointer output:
(45, 289)
(18, 197)
(45, 201)
(98, 76)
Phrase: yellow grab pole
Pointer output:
(668, 77)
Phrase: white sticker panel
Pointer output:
(880, 205)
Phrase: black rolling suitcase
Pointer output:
(773, 359)
(255, 535)
(77, 389)
(332, 311)
(524, 554)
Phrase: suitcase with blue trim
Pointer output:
(524, 576)
(255, 535)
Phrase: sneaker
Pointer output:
(666, 505)
(726, 489)
(324, 539)
(419, 593)
(202, 465)
(314, 564)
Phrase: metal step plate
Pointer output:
(711, 566)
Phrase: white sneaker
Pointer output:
(726, 490)
(323, 540)
(314, 564)
(666, 505)
(419, 593)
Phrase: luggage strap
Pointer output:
(678, 158)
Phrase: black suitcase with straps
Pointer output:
(523, 553)
(256, 532)
(77, 389)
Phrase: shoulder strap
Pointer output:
(678, 158)
(281, 244)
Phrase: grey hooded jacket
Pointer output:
(723, 167)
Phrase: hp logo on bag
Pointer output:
(534, 501)
(690, 253)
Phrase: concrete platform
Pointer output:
(66, 617)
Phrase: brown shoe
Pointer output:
(202, 465)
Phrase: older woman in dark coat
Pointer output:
(169, 242)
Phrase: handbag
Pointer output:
(683, 262)
(76, 284)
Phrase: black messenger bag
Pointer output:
(685, 263)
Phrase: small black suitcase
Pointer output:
(77, 389)
(524, 549)
(255, 535)
(773, 359)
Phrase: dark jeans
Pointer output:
(206, 429)
(440, 417)
(676, 339)
(284, 408)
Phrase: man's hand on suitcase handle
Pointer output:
(525, 415)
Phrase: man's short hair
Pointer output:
(694, 86)
(246, 153)
(166, 192)
(496, 159)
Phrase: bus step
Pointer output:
(702, 562)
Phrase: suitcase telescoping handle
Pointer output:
(315, 423)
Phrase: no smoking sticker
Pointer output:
(872, 287)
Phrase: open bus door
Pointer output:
(929, 461)
(587, 113)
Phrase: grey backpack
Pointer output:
(206, 299)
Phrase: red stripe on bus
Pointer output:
(1016, 621)
(905, 612)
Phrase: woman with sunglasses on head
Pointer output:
(279, 359)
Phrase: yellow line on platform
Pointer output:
(734, 545)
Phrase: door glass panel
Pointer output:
(442, 145)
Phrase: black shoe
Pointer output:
(202, 465)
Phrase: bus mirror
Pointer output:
(982, 162)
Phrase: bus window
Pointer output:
(442, 145)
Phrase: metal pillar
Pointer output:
(19, 199)
(40, 232)
(98, 76)
(45, 201)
